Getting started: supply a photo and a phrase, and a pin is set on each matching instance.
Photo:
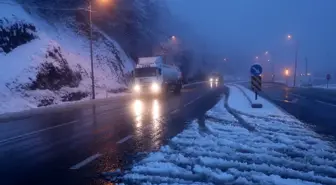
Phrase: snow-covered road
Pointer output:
(219, 150)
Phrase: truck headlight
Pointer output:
(155, 88)
(137, 88)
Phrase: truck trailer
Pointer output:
(153, 76)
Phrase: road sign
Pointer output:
(256, 83)
(256, 70)
(328, 77)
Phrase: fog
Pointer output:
(240, 30)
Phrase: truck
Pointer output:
(153, 76)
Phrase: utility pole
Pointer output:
(91, 51)
(306, 66)
(296, 61)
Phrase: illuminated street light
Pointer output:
(286, 72)
(266, 53)
(225, 59)
(287, 75)
(256, 57)
(290, 37)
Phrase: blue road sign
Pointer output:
(256, 70)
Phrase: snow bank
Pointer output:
(280, 151)
(239, 102)
(330, 86)
(55, 45)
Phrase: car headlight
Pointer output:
(216, 79)
(155, 87)
(211, 79)
(137, 88)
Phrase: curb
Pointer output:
(253, 105)
(236, 114)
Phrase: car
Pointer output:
(216, 78)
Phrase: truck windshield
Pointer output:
(145, 72)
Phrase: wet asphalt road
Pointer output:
(317, 107)
(74, 145)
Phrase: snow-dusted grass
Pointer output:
(220, 151)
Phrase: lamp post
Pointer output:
(91, 51)
(91, 47)
(289, 37)
(287, 75)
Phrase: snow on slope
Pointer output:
(220, 151)
(55, 44)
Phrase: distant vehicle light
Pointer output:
(211, 79)
(216, 79)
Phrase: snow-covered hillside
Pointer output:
(43, 64)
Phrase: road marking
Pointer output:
(86, 161)
(124, 139)
(330, 104)
(299, 96)
(37, 132)
(287, 101)
(195, 83)
(193, 101)
(175, 111)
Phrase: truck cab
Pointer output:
(153, 76)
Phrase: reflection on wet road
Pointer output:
(72, 146)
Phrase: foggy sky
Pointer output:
(243, 29)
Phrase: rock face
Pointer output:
(55, 75)
(44, 64)
(15, 35)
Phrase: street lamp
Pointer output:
(286, 72)
(290, 37)
(266, 52)
(287, 75)
(91, 51)
(91, 47)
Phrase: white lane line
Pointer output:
(187, 85)
(86, 161)
(37, 132)
(193, 101)
(326, 103)
(175, 111)
(124, 139)
(299, 96)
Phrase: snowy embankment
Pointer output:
(46, 64)
(219, 150)
(325, 86)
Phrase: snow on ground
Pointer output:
(21, 65)
(324, 86)
(243, 105)
(220, 151)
